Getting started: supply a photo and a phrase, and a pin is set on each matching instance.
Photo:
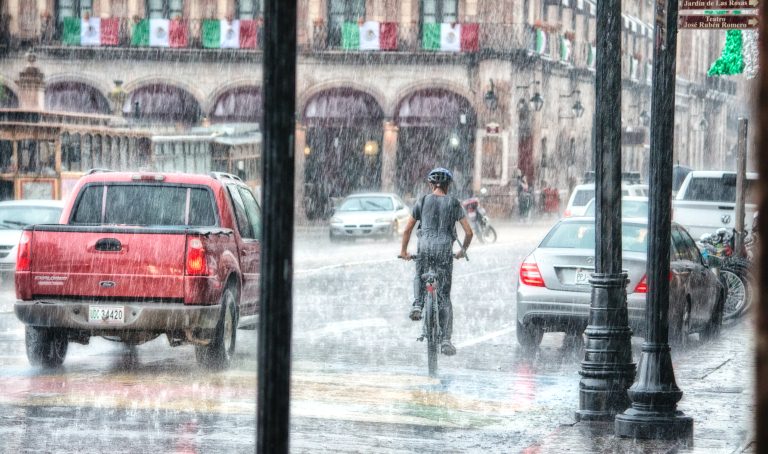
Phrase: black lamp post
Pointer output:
(645, 119)
(536, 102)
(655, 394)
(490, 99)
(607, 370)
(578, 109)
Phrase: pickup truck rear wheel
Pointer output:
(46, 347)
(218, 354)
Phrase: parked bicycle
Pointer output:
(735, 271)
(431, 329)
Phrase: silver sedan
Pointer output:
(553, 290)
(369, 215)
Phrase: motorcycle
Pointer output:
(479, 220)
(735, 271)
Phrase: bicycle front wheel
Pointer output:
(430, 321)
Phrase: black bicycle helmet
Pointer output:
(440, 175)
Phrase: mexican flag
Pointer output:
(591, 56)
(370, 35)
(540, 43)
(93, 31)
(731, 61)
(224, 34)
(565, 49)
(159, 33)
(450, 37)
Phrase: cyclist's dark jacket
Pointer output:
(437, 216)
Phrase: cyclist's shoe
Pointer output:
(415, 314)
(447, 348)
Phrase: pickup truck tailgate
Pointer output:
(104, 263)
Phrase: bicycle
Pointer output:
(430, 327)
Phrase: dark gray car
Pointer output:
(553, 290)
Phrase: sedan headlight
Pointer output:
(383, 220)
(336, 221)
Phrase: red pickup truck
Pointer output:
(137, 255)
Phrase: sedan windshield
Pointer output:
(367, 204)
(581, 235)
(18, 217)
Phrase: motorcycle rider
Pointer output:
(437, 214)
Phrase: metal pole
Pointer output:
(741, 174)
(277, 243)
(607, 369)
(761, 308)
(655, 394)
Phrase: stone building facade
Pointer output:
(519, 99)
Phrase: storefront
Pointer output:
(436, 129)
(344, 130)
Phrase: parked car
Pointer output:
(139, 255)
(631, 207)
(706, 201)
(369, 215)
(553, 290)
(14, 216)
(583, 193)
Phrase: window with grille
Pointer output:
(73, 8)
(439, 11)
(165, 9)
(249, 9)
(340, 11)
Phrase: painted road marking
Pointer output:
(485, 337)
(344, 326)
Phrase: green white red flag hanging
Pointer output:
(90, 31)
(739, 55)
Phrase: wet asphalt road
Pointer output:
(359, 375)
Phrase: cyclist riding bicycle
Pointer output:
(437, 214)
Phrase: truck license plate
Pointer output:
(582, 277)
(106, 314)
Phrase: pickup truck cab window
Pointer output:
(145, 204)
(251, 210)
(245, 228)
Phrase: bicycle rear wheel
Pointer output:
(430, 321)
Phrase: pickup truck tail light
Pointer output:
(24, 255)
(197, 265)
(530, 274)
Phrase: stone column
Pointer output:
(389, 156)
(300, 158)
(31, 84)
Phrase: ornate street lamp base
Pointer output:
(654, 425)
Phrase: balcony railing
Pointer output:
(122, 32)
(411, 38)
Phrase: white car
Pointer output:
(14, 216)
(369, 215)
(583, 193)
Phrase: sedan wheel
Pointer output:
(529, 336)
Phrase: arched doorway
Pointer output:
(344, 133)
(69, 96)
(238, 105)
(436, 128)
(8, 99)
(162, 104)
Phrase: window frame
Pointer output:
(439, 12)
(166, 12)
(348, 15)
(258, 9)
